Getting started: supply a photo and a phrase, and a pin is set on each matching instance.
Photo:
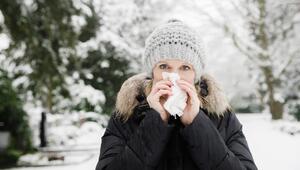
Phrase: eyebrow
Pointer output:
(165, 62)
(187, 64)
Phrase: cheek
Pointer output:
(188, 76)
(157, 75)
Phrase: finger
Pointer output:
(166, 82)
(162, 87)
(161, 82)
(190, 92)
(161, 93)
(191, 86)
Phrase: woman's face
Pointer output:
(185, 70)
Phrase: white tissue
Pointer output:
(176, 103)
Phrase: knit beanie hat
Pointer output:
(174, 40)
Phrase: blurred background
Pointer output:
(62, 63)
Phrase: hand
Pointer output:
(193, 103)
(158, 96)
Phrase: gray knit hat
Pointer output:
(174, 40)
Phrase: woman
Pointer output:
(141, 134)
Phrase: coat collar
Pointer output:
(212, 98)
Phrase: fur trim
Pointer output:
(214, 101)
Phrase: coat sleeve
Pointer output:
(210, 151)
(142, 150)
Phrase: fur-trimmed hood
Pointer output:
(211, 95)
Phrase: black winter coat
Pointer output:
(144, 141)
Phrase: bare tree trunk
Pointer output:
(276, 107)
(277, 110)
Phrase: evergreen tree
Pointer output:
(14, 120)
(109, 71)
(43, 30)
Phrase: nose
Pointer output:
(174, 70)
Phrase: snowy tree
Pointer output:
(39, 32)
(114, 54)
(51, 44)
(16, 123)
(266, 32)
(42, 57)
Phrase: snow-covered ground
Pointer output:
(273, 148)
(87, 165)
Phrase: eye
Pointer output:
(185, 67)
(163, 66)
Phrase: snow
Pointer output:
(90, 163)
(274, 144)
(68, 129)
(73, 139)
(271, 146)
(271, 143)
(81, 91)
(4, 39)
